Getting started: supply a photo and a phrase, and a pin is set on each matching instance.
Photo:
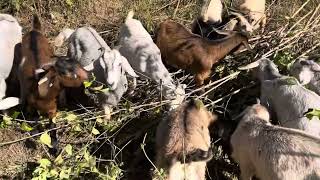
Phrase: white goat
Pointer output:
(211, 11)
(273, 153)
(308, 73)
(108, 66)
(286, 97)
(136, 44)
(10, 35)
(255, 9)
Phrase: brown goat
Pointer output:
(182, 49)
(183, 141)
(42, 77)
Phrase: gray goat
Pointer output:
(271, 152)
(108, 66)
(136, 44)
(286, 98)
(308, 73)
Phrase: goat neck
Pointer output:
(220, 48)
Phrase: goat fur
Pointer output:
(182, 49)
(11, 36)
(273, 153)
(183, 141)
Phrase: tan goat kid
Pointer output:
(183, 142)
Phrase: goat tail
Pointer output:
(130, 15)
(36, 23)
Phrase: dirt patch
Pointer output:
(14, 157)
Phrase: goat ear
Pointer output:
(315, 67)
(43, 86)
(127, 68)
(8, 103)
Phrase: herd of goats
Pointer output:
(287, 151)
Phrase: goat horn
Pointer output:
(103, 50)
(223, 32)
(250, 66)
(258, 101)
(38, 71)
(49, 64)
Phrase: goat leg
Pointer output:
(107, 112)
(53, 135)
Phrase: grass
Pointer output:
(116, 147)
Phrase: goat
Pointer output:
(211, 16)
(108, 66)
(271, 152)
(211, 11)
(255, 10)
(183, 141)
(308, 73)
(234, 22)
(11, 36)
(285, 97)
(182, 49)
(41, 92)
(136, 44)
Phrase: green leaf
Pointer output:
(58, 160)
(71, 117)
(26, 127)
(291, 81)
(86, 155)
(64, 174)
(69, 2)
(311, 113)
(15, 114)
(105, 90)
(77, 128)
(99, 120)
(95, 131)
(98, 88)
(68, 149)
(54, 173)
(44, 163)
(7, 120)
(46, 139)
(87, 84)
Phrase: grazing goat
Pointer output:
(183, 142)
(254, 9)
(234, 22)
(41, 76)
(273, 153)
(286, 98)
(11, 36)
(108, 66)
(136, 44)
(308, 73)
(182, 49)
(211, 16)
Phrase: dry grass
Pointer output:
(292, 30)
